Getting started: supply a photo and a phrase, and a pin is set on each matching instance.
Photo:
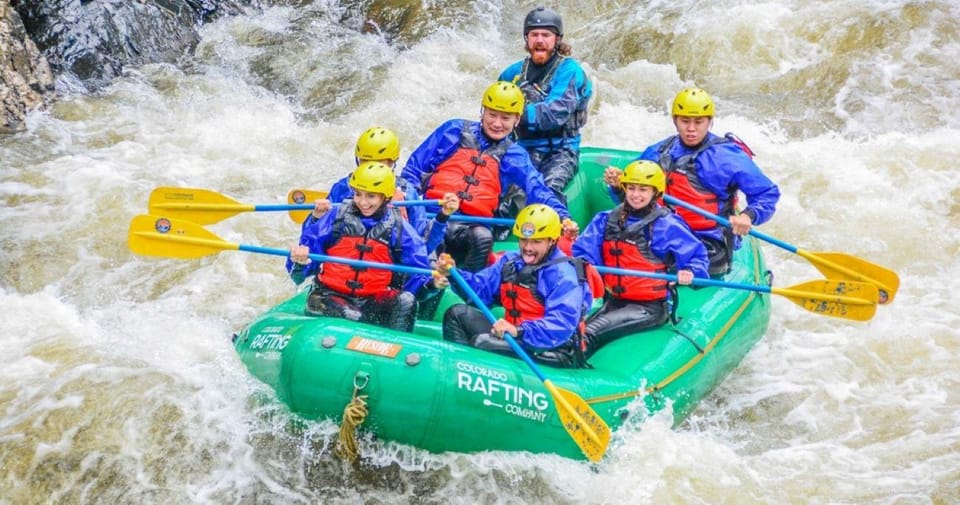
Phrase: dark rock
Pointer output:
(26, 82)
(91, 42)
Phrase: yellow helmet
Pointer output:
(537, 221)
(374, 177)
(693, 102)
(377, 144)
(646, 173)
(503, 96)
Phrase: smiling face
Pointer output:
(533, 250)
(541, 43)
(692, 130)
(497, 125)
(368, 203)
(639, 196)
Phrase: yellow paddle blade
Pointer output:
(844, 299)
(583, 424)
(198, 205)
(151, 235)
(835, 265)
(300, 196)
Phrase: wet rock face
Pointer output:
(89, 42)
(26, 81)
(94, 40)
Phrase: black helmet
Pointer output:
(542, 17)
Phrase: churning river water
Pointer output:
(118, 383)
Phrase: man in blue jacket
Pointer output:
(557, 94)
(707, 171)
(477, 161)
(542, 290)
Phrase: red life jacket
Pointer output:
(518, 290)
(350, 239)
(472, 174)
(684, 184)
(629, 248)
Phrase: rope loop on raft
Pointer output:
(353, 416)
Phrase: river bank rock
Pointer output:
(87, 44)
(26, 81)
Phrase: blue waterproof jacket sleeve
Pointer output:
(313, 233)
(671, 236)
(414, 253)
(340, 191)
(589, 243)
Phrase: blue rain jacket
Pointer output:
(668, 235)
(316, 232)
(569, 92)
(430, 229)
(565, 298)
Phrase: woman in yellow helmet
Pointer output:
(365, 228)
(638, 235)
(542, 291)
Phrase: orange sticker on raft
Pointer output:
(375, 347)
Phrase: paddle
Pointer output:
(309, 195)
(587, 429)
(836, 298)
(303, 196)
(151, 235)
(492, 221)
(832, 265)
(203, 206)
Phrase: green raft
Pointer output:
(432, 394)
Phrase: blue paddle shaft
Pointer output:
(333, 259)
(767, 238)
(309, 206)
(696, 280)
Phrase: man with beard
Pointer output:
(542, 290)
(557, 93)
(638, 235)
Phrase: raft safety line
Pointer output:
(353, 416)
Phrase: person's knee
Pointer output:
(480, 245)
(406, 301)
(454, 326)
(481, 235)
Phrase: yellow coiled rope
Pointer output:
(353, 416)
